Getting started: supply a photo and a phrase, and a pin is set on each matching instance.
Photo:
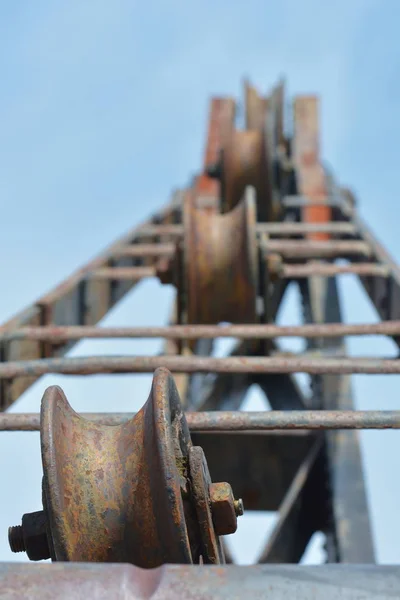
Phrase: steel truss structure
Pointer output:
(264, 214)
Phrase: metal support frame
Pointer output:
(277, 460)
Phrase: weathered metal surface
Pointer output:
(174, 346)
(116, 495)
(320, 269)
(296, 249)
(280, 228)
(348, 533)
(92, 365)
(221, 121)
(301, 201)
(145, 250)
(19, 350)
(99, 287)
(287, 228)
(31, 536)
(245, 162)
(125, 493)
(384, 293)
(225, 509)
(168, 230)
(183, 332)
(228, 582)
(220, 421)
(215, 268)
(123, 273)
(256, 108)
(310, 177)
(200, 487)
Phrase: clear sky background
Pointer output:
(103, 110)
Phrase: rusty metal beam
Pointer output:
(348, 530)
(123, 273)
(234, 421)
(310, 177)
(225, 582)
(168, 230)
(302, 200)
(184, 332)
(91, 365)
(384, 293)
(220, 123)
(320, 269)
(283, 228)
(144, 250)
(280, 228)
(300, 249)
(346, 510)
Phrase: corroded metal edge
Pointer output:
(81, 581)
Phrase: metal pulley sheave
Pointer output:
(138, 492)
(220, 260)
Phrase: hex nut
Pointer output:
(223, 508)
(30, 536)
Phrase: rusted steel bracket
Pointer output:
(138, 492)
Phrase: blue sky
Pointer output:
(103, 111)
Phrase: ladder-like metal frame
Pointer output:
(314, 480)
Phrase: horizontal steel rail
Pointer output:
(124, 273)
(185, 332)
(296, 249)
(304, 228)
(96, 365)
(239, 421)
(280, 228)
(144, 250)
(285, 271)
(329, 270)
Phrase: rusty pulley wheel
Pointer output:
(256, 108)
(124, 493)
(220, 264)
(245, 162)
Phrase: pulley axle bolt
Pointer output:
(30, 536)
(239, 508)
(214, 170)
(16, 539)
(225, 509)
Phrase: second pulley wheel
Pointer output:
(220, 264)
(244, 162)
